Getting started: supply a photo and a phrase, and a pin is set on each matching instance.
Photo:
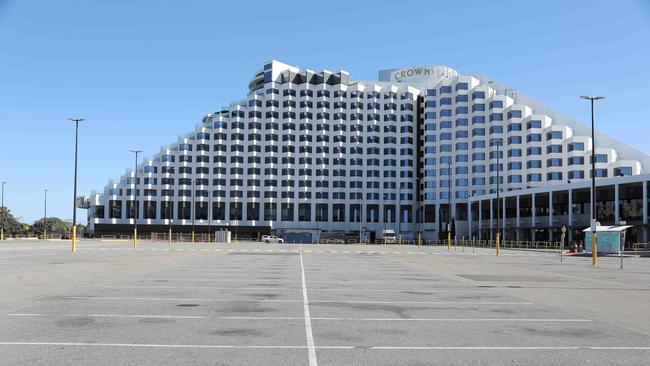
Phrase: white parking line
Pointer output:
(173, 299)
(310, 337)
(114, 316)
(350, 319)
(423, 348)
(420, 302)
(206, 288)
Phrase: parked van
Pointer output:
(389, 236)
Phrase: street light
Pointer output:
(2, 213)
(45, 216)
(498, 142)
(74, 198)
(135, 202)
(193, 208)
(449, 204)
(594, 239)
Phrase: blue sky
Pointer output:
(144, 72)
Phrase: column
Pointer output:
(517, 223)
(533, 217)
(480, 219)
(491, 218)
(503, 217)
(569, 225)
(469, 220)
(645, 211)
(550, 216)
(617, 214)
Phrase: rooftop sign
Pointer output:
(422, 73)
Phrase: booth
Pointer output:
(610, 239)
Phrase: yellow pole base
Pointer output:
(135, 238)
(2, 234)
(498, 245)
(192, 237)
(449, 240)
(74, 238)
(594, 255)
(170, 236)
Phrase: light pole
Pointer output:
(170, 208)
(594, 239)
(497, 142)
(135, 202)
(2, 213)
(209, 214)
(193, 208)
(449, 204)
(45, 216)
(74, 198)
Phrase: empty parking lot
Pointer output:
(261, 304)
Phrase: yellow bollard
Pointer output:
(498, 239)
(448, 240)
(135, 237)
(170, 236)
(74, 238)
(594, 255)
(192, 236)
(2, 233)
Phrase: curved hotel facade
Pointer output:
(311, 152)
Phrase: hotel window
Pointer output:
(478, 95)
(534, 124)
(576, 146)
(554, 176)
(601, 158)
(622, 171)
(496, 104)
(576, 174)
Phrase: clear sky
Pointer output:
(144, 72)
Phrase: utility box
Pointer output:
(610, 239)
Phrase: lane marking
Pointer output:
(506, 348)
(423, 291)
(173, 299)
(207, 288)
(305, 301)
(421, 302)
(114, 316)
(423, 348)
(469, 320)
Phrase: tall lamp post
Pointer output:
(449, 204)
(594, 239)
(2, 213)
(45, 216)
(74, 198)
(135, 202)
(170, 212)
(193, 208)
(498, 142)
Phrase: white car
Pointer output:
(334, 241)
(272, 239)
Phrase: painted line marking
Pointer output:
(310, 337)
(422, 302)
(205, 287)
(114, 316)
(423, 348)
(173, 299)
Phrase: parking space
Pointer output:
(268, 304)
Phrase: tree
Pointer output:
(54, 225)
(10, 224)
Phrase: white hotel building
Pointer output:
(310, 152)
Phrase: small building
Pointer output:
(610, 239)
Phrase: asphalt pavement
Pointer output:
(270, 304)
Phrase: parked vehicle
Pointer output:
(272, 239)
(389, 236)
(334, 241)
